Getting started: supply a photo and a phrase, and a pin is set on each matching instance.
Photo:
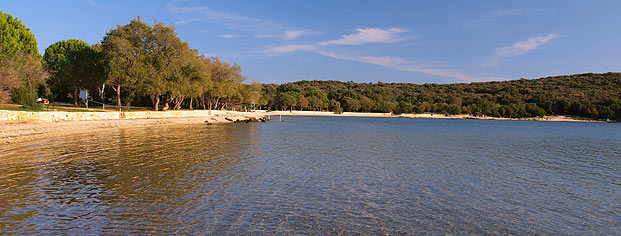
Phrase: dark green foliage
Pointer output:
(74, 65)
(20, 62)
(26, 96)
(15, 37)
(596, 96)
(286, 101)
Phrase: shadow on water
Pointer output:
(319, 175)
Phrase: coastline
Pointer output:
(19, 130)
(423, 116)
(12, 131)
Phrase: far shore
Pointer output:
(424, 116)
(11, 131)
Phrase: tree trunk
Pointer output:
(215, 106)
(155, 101)
(203, 102)
(76, 93)
(118, 95)
(177, 101)
(191, 101)
(167, 100)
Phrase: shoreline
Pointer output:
(12, 131)
(426, 116)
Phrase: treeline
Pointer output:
(136, 63)
(596, 96)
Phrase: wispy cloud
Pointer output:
(293, 34)
(405, 65)
(256, 27)
(521, 47)
(398, 63)
(94, 4)
(229, 36)
(507, 12)
(284, 49)
(518, 48)
(369, 35)
(493, 16)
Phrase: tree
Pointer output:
(303, 103)
(16, 38)
(318, 100)
(351, 104)
(366, 104)
(226, 79)
(285, 101)
(20, 77)
(123, 51)
(20, 62)
(335, 106)
(74, 65)
(255, 95)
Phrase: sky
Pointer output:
(362, 41)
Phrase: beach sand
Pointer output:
(11, 132)
(425, 115)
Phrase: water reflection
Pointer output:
(123, 180)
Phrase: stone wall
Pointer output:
(52, 116)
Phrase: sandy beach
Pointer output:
(424, 116)
(11, 132)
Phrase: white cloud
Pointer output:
(521, 47)
(506, 12)
(229, 36)
(406, 65)
(293, 34)
(518, 48)
(369, 35)
(288, 49)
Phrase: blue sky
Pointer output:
(362, 41)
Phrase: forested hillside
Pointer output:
(595, 96)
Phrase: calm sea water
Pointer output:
(319, 175)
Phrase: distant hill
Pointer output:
(595, 96)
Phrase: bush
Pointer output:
(26, 96)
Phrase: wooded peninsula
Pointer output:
(147, 65)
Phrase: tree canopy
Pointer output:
(15, 37)
(74, 65)
(21, 72)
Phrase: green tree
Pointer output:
(20, 62)
(20, 78)
(366, 104)
(335, 106)
(303, 103)
(351, 104)
(286, 101)
(74, 65)
(16, 38)
(124, 50)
